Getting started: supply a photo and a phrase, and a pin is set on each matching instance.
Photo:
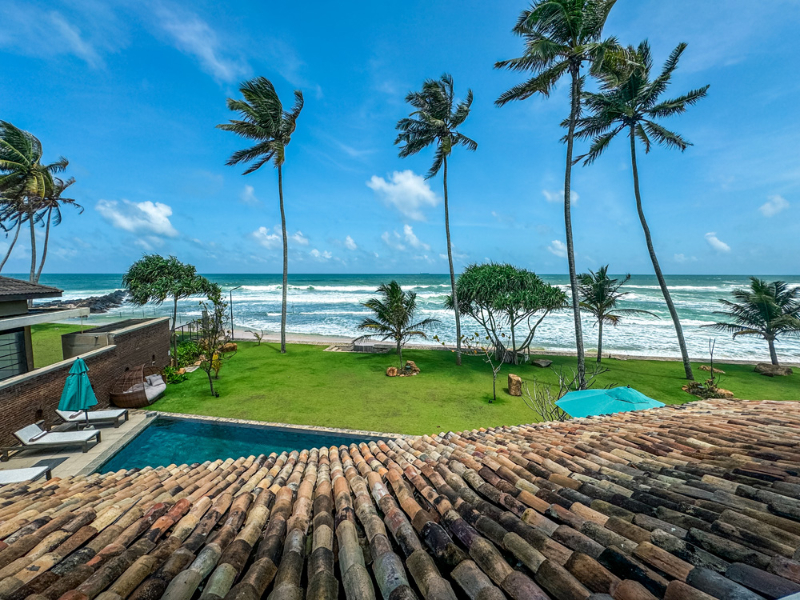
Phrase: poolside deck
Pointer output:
(683, 503)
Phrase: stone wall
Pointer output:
(28, 398)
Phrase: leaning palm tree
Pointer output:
(561, 36)
(394, 316)
(632, 104)
(599, 296)
(765, 309)
(50, 213)
(264, 120)
(12, 216)
(24, 180)
(435, 121)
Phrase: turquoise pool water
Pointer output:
(185, 441)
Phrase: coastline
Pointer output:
(243, 335)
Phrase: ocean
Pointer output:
(331, 305)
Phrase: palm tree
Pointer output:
(766, 309)
(632, 105)
(50, 213)
(24, 180)
(561, 36)
(12, 216)
(599, 297)
(264, 120)
(435, 120)
(394, 316)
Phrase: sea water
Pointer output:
(332, 305)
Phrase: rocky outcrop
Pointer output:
(514, 385)
(542, 363)
(96, 304)
(772, 370)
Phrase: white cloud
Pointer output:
(558, 248)
(248, 196)
(558, 196)
(194, 37)
(774, 205)
(412, 239)
(266, 238)
(716, 243)
(407, 192)
(682, 258)
(393, 240)
(349, 243)
(299, 238)
(138, 217)
(321, 255)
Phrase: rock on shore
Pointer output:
(96, 304)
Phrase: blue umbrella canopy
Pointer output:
(78, 393)
(589, 403)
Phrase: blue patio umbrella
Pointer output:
(78, 393)
(589, 403)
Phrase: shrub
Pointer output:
(188, 352)
(171, 375)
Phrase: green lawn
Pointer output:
(46, 340)
(312, 387)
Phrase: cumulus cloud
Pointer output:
(321, 255)
(412, 238)
(774, 205)
(267, 238)
(194, 37)
(349, 243)
(716, 243)
(299, 238)
(393, 240)
(248, 195)
(682, 258)
(138, 217)
(406, 191)
(558, 248)
(558, 196)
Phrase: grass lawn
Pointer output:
(311, 387)
(46, 340)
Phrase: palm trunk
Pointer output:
(285, 262)
(687, 366)
(599, 341)
(11, 247)
(452, 272)
(573, 278)
(33, 247)
(772, 354)
(44, 247)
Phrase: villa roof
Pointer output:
(17, 289)
(684, 502)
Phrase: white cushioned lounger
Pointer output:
(34, 437)
(115, 416)
(19, 475)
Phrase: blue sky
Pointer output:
(130, 92)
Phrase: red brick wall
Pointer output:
(28, 398)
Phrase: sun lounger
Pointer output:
(33, 437)
(8, 476)
(95, 417)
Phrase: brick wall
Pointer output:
(28, 398)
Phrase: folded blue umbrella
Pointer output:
(78, 393)
(590, 403)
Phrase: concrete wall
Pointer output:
(27, 398)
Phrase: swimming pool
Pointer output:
(168, 440)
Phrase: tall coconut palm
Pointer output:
(599, 296)
(24, 180)
(394, 316)
(633, 105)
(435, 121)
(49, 213)
(768, 310)
(561, 37)
(264, 120)
(12, 216)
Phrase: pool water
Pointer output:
(169, 441)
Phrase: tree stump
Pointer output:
(391, 372)
(514, 385)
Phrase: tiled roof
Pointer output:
(680, 503)
(18, 289)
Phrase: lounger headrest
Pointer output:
(39, 435)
